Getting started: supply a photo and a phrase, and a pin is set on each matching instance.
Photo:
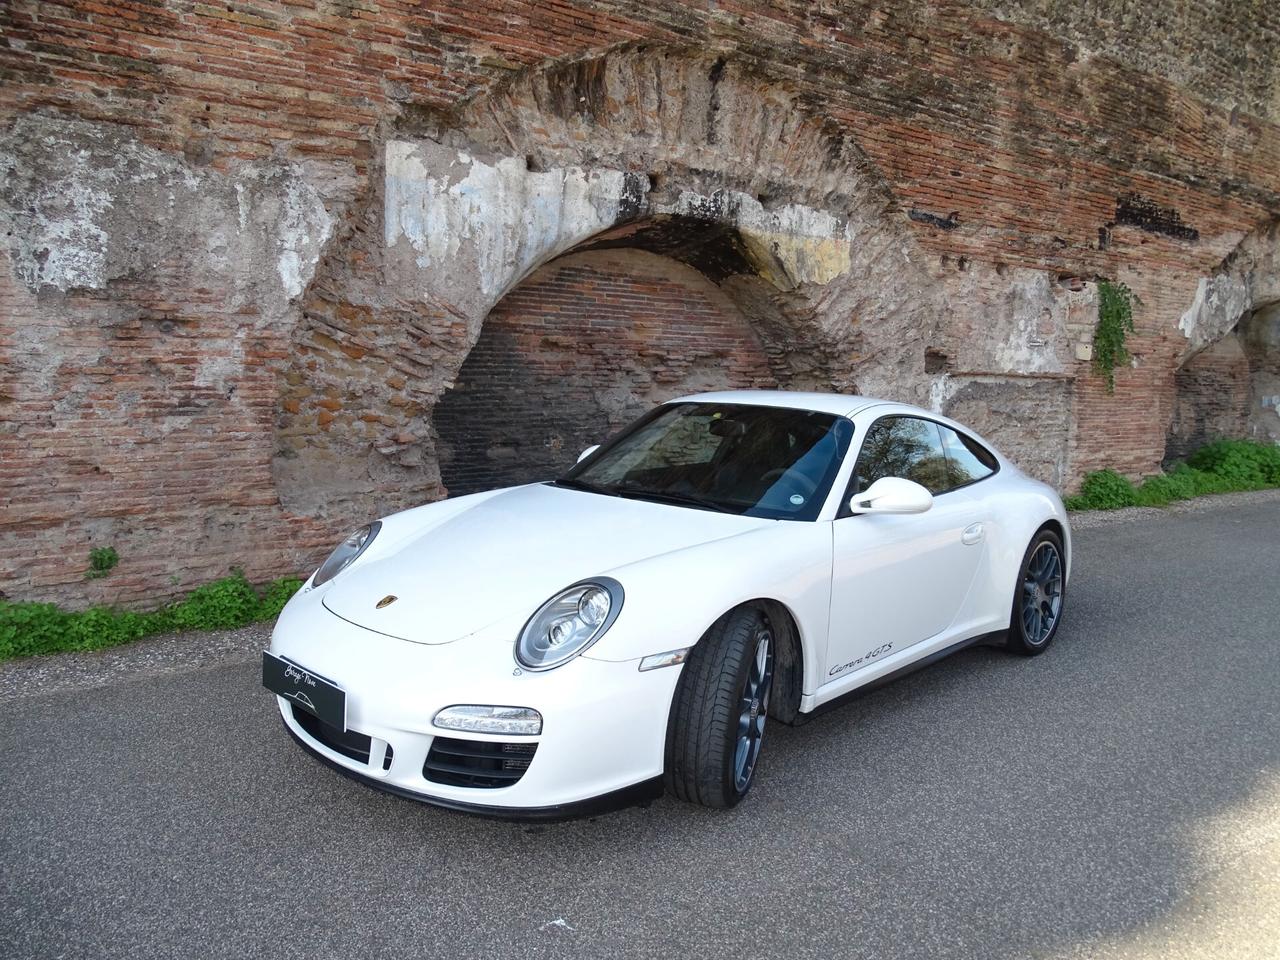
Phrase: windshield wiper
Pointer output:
(681, 499)
(571, 484)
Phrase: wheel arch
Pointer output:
(792, 658)
(1059, 526)
(1056, 526)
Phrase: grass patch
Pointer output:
(27, 629)
(1224, 466)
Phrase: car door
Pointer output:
(900, 579)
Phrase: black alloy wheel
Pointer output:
(1038, 604)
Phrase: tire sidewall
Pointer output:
(702, 733)
(758, 622)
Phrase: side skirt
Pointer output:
(912, 667)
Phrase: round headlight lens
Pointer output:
(568, 623)
(593, 606)
(346, 553)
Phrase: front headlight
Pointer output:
(346, 553)
(568, 623)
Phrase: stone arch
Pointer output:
(639, 147)
(583, 345)
(1228, 381)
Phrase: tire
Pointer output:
(1039, 599)
(719, 711)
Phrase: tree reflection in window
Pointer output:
(967, 460)
(904, 447)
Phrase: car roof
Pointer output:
(840, 404)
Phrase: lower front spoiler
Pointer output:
(638, 794)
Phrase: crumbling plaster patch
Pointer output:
(1248, 279)
(1010, 320)
(462, 229)
(461, 218)
(1219, 303)
(475, 228)
(88, 203)
(791, 244)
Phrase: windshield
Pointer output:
(754, 461)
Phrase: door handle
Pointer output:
(973, 533)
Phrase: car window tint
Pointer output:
(759, 461)
(904, 447)
(967, 460)
(681, 442)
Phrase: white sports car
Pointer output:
(552, 649)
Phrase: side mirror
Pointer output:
(892, 495)
(588, 452)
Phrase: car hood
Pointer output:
(508, 554)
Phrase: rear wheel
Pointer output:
(718, 716)
(1038, 602)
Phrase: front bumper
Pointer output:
(604, 723)
(639, 794)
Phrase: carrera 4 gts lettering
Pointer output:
(877, 652)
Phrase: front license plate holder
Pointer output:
(310, 691)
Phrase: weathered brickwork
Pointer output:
(1211, 398)
(578, 350)
(265, 260)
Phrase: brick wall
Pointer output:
(580, 348)
(1211, 399)
(208, 362)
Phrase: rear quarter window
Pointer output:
(967, 460)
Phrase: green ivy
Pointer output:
(1115, 322)
(32, 628)
(1224, 466)
(102, 560)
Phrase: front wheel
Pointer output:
(1041, 593)
(718, 715)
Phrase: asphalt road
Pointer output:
(1117, 797)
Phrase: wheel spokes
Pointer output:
(740, 760)
(754, 706)
(1042, 593)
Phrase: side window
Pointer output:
(967, 460)
(904, 447)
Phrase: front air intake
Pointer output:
(477, 763)
(350, 743)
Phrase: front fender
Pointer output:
(672, 599)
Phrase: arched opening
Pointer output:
(792, 262)
(586, 343)
(1229, 389)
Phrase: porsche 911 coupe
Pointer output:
(557, 648)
